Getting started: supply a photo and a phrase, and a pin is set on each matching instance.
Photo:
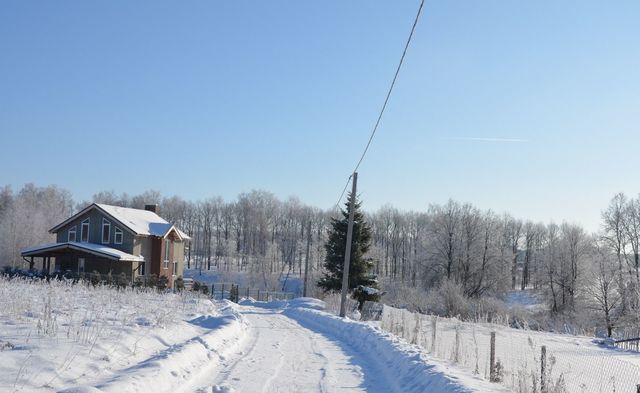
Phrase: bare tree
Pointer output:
(445, 235)
(602, 287)
(514, 233)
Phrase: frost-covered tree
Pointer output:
(604, 296)
(27, 217)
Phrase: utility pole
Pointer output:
(347, 252)
(306, 260)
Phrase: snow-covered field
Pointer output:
(574, 363)
(76, 338)
(55, 336)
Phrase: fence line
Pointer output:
(524, 361)
(629, 344)
(233, 292)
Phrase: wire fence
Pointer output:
(627, 338)
(524, 361)
(234, 293)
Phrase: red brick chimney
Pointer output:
(152, 208)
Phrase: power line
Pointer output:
(386, 100)
(343, 190)
(393, 82)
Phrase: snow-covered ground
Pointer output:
(528, 300)
(296, 347)
(275, 282)
(77, 338)
(574, 363)
(55, 336)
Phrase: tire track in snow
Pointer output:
(236, 358)
(322, 384)
(283, 356)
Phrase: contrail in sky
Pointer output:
(477, 139)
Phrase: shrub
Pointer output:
(162, 283)
(448, 300)
(152, 281)
(95, 278)
(138, 282)
(362, 294)
(123, 281)
(179, 283)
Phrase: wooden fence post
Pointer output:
(456, 355)
(416, 330)
(258, 299)
(434, 326)
(543, 369)
(492, 358)
(213, 294)
(222, 292)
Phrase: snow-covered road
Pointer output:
(280, 355)
(297, 349)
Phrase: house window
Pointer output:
(72, 234)
(175, 267)
(117, 236)
(80, 265)
(167, 250)
(106, 231)
(84, 231)
(143, 266)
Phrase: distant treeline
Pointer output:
(480, 253)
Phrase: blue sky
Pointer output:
(209, 98)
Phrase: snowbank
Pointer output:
(413, 370)
(301, 302)
(61, 336)
(181, 365)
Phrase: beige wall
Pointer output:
(178, 255)
(142, 246)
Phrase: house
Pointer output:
(115, 240)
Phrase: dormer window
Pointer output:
(84, 231)
(117, 236)
(106, 231)
(72, 234)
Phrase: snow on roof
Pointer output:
(92, 248)
(183, 235)
(138, 221)
(142, 222)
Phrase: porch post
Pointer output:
(31, 264)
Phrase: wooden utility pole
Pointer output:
(306, 259)
(347, 252)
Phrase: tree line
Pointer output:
(481, 253)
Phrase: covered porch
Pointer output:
(80, 258)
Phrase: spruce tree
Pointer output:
(360, 277)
